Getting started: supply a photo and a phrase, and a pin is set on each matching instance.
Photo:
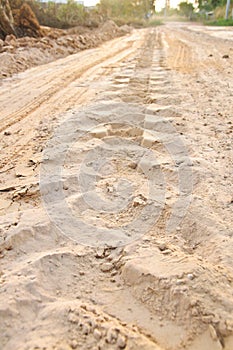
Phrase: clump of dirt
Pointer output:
(19, 54)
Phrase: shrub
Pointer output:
(220, 22)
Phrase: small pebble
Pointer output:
(86, 329)
(74, 344)
(194, 312)
(179, 282)
(106, 267)
(167, 251)
(213, 332)
(111, 336)
(190, 276)
(73, 318)
(162, 247)
(97, 334)
(100, 252)
(121, 342)
(133, 165)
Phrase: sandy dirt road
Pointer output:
(116, 196)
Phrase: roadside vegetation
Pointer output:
(23, 18)
(221, 22)
(131, 12)
(209, 12)
(214, 12)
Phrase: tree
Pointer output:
(126, 8)
(209, 5)
(186, 9)
(71, 13)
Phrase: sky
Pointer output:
(159, 3)
(90, 2)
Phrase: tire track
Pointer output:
(43, 98)
(71, 88)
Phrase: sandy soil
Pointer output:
(116, 196)
(17, 55)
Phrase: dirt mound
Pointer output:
(125, 29)
(17, 55)
(109, 26)
(27, 23)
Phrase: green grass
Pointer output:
(154, 23)
(220, 22)
(137, 22)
